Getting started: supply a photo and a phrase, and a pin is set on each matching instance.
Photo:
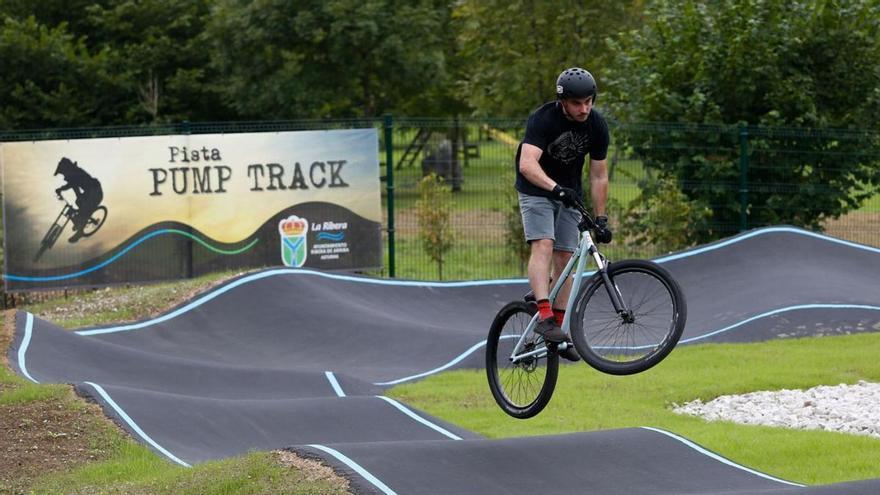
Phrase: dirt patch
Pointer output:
(311, 469)
(861, 227)
(40, 437)
(6, 335)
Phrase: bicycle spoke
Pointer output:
(649, 302)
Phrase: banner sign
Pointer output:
(103, 211)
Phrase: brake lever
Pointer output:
(587, 219)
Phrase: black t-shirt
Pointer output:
(565, 143)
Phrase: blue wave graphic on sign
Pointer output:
(331, 236)
(126, 250)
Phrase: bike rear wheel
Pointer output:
(623, 344)
(95, 221)
(522, 387)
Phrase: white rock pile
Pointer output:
(843, 408)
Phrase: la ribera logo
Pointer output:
(294, 249)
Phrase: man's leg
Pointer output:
(538, 224)
(567, 237)
(539, 272)
(539, 267)
(560, 259)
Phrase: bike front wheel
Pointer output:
(637, 339)
(48, 240)
(522, 372)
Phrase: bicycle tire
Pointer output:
(48, 240)
(101, 213)
(522, 389)
(608, 342)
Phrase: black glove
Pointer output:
(567, 195)
(602, 232)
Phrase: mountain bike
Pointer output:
(623, 319)
(67, 215)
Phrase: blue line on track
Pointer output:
(25, 342)
(134, 426)
(357, 468)
(334, 383)
(718, 457)
(418, 418)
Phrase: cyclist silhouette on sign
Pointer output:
(88, 193)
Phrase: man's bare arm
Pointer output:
(599, 185)
(531, 169)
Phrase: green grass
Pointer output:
(135, 470)
(121, 303)
(30, 392)
(587, 400)
(15, 389)
(488, 180)
(872, 205)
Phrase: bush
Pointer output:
(514, 236)
(662, 217)
(433, 211)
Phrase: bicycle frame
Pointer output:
(586, 249)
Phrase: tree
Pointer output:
(512, 50)
(323, 58)
(158, 50)
(433, 211)
(85, 63)
(50, 79)
(802, 63)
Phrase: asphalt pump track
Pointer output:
(299, 359)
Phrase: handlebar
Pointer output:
(587, 222)
(62, 198)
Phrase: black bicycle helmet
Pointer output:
(576, 83)
(65, 166)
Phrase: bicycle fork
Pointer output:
(625, 313)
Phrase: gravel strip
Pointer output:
(842, 408)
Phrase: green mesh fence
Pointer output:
(673, 186)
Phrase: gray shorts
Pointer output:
(545, 218)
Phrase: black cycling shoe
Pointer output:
(529, 297)
(570, 353)
(551, 332)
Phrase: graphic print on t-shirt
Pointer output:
(569, 146)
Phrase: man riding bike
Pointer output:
(88, 193)
(549, 165)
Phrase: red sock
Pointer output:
(544, 310)
(559, 314)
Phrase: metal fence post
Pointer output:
(189, 262)
(743, 177)
(389, 188)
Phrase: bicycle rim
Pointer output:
(95, 221)
(523, 387)
(614, 344)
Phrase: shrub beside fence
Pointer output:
(672, 185)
